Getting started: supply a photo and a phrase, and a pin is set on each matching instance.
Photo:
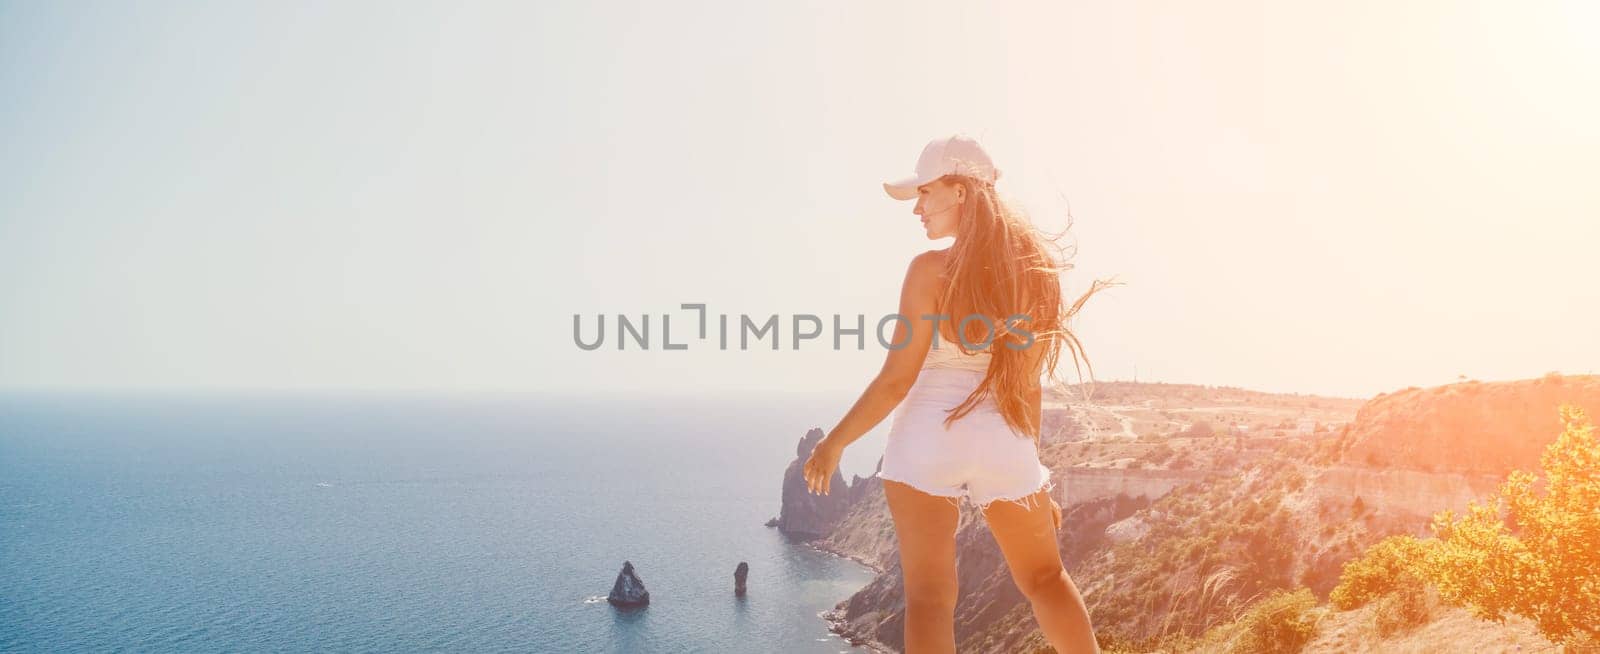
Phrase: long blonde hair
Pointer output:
(1001, 268)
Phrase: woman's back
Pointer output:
(948, 355)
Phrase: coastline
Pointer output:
(836, 624)
(845, 555)
(834, 617)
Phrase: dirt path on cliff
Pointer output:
(1084, 416)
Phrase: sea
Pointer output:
(408, 522)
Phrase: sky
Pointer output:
(1333, 198)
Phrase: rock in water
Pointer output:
(803, 515)
(739, 575)
(629, 589)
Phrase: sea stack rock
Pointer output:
(805, 516)
(629, 590)
(739, 575)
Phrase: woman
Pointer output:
(964, 372)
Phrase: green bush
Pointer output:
(1407, 607)
(1283, 622)
(1378, 571)
(1531, 551)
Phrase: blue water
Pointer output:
(405, 523)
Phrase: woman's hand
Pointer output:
(1055, 513)
(819, 468)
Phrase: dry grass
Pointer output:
(1449, 630)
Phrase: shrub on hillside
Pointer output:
(1378, 571)
(1283, 622)
(1159, 454)
(1528, 552)
(1407, 607)
(1542, 561)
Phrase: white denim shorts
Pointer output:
(978, 456)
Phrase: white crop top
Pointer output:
(948, 355)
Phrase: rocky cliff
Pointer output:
(1404, 492)
(805, 516)
(989, 604)
(1470, 427)
(1079, 484)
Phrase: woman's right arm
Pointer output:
(894, 380)
(901, 366)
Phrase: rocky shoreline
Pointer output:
(835, 617)
(812, 521)
(858, 559)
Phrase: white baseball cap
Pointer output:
(957, 154)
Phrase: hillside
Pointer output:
(1218, 498)
(1471, 427)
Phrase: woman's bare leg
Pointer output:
(1027, 538)
(925, 526)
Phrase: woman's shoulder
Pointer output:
(931, 262)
